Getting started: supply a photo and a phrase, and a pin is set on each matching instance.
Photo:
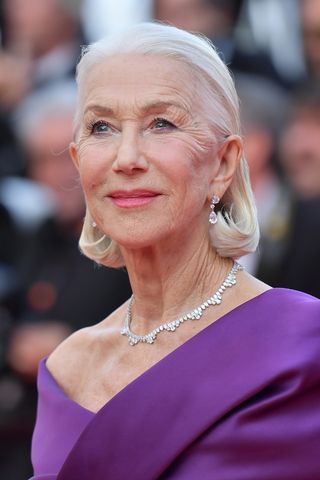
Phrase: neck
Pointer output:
(167, 281)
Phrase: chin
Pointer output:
(139, 238)
(135, 242)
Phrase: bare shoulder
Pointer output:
(71, 353)
(78, 353)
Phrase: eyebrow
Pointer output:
(152, 107)
(161, 106)
(99, 109)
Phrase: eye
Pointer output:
(99, 127)
(162, 123)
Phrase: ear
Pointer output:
(228, 158)
(73, 152)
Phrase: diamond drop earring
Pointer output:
(213, 216)
(93, 224)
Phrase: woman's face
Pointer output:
(145, 154)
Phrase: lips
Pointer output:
(132, 198)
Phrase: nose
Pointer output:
(129, 157)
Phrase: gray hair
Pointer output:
(236, 233)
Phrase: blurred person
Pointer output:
(43, 124)
(46, 35)
(213, 18)
(287, 198)
(310, 29)
(205, 371)
(217, 19)
(264, 106)
(300, 146)
(299, 157)
(282, 149)
(40, 43)
(274, 26)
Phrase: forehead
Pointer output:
(136, 78)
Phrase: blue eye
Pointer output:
(100, 127)
(162, 123)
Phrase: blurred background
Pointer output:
(47, 289)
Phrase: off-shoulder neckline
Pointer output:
(44, 371)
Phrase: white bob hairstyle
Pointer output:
(236, 232)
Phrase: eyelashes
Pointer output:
(160, 123)
(101, 127)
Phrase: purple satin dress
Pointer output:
(238, 401)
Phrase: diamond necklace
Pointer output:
(194, 314)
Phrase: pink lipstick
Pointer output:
(132, 198)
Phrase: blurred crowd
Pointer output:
(47, 288)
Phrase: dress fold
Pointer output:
(238, 401)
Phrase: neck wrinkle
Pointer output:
(165, 286)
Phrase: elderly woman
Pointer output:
(205, 372)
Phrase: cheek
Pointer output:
(94, 164)
(178, 155)
(187, 171)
